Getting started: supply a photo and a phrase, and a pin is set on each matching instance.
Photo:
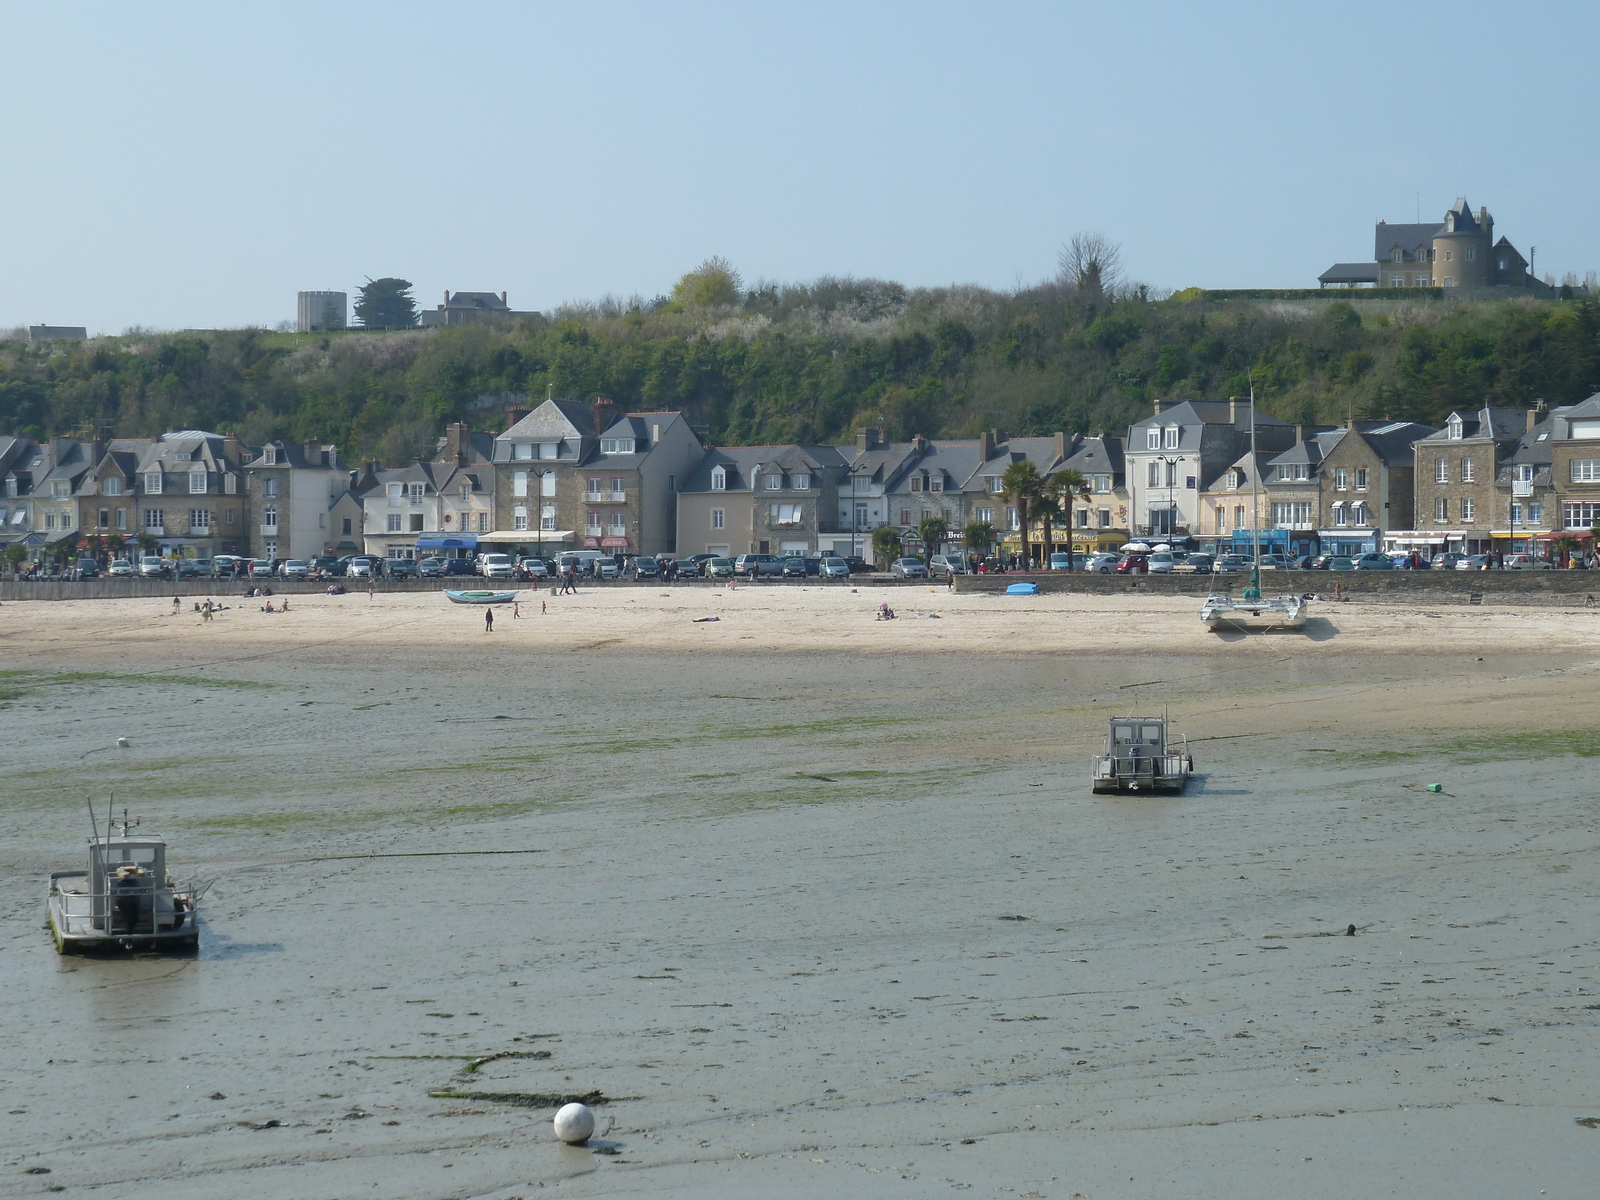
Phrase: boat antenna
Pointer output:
(94, 825)
(1253, 592)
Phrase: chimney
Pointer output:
(867, 438)
(455, 443)
(515, 413)
(503, 300)
(313, 451)
(606, 414)
(1060, 446)
(655, 433)
(986, 445)
(1233, 409)
(919, 444)
(230, 450)
(1301, 432)
(1157, 405)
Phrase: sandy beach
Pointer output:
(820, 905)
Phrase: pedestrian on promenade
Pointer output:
(488, 620)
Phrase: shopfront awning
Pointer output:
(527, 537)
(447, 541)
(614, 543)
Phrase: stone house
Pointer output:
(764, 500)
(291, 489)
(1459, 251)
(1100, 521)
(463, 471)
(400, 507)
(1525, 490)
(191, 496)
(106, 499)
(1228, 506)
(1368, 484)
(1454, 476)
(1574, 448)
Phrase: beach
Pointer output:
(817, 904)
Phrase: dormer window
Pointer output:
(1453, 428)
(916, 483)
(1169, 437)
(616, 445)
(269, 456)
(936, 483)
(719, 479)
(466, 490)
(111, 486)
(1395, 255)
(1152, 439)
(152, 482)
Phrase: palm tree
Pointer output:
(1068, 486)
(1020, 484)
(1564, 546)
(885, 546)
(979, 536)
(933, 531)
(1047, 508)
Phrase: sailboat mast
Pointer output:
(1255, 503)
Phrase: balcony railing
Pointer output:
(594, 497)
(269, 530)
(156, 530)
(1522, 487)
(200, 530)
(618, 497)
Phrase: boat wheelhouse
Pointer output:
(1140, 757)
(124, 901)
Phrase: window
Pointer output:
(60, 489)
(155, 518)
(619, 524)
(1287, 514)
(1080, 516)
(1341, 480)
(152, 483)
(1471, 253)
(50, 518)
(935, 484)
(719, 479)
(1469, 508)
(269, 515)
(1466, 470)
(1449, 255)
(1153, 475)
(717, 518)
(619, 487)
(519, 516)
(1220, 514)
(1516, 514)
(616, 445)
(1172, 474)
(1238, 516)
(111, 486)
(1502, 264)
(519, 484)
(269, 455)
(1535, 514)
(1361, 479)
(1358, 514)
(230, 484)
(774, 482)
(992, 484)
(199, 518)
(905, 516)
(1152, 438)
(269, 549)
(1441, 471)
(416, 522)
(986, 515)
(396, 493)
(346, 523)
(269, 489)
(1441, 509)
(522, 451)
(547, 484)
(1452, 428)
(122, 519)
(197, 482)
(916, 483)
(105, 518)
(466, 486)
(394, 523)
(1169, 437)
(1102, 484)
(549, 449)
(1011, 518)
(1579, 516)
(547, 517)
(1105, 518)
(1586, 470)
(1340, 516)
(1395, 255)
(591, 487)
(1524, 473)
(591, 524)
(416, 492)
(789, 514)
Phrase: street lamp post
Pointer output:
(1172, 495)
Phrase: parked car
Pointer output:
(460, 566)
(496, 566)
(1161, 562)
(857, 564)
(197, 566)
(1341, 562)
(1447, 561)
(1404, 562)
(908, 568)
(942, 566)
(120, 568)
(1319, 563)
(834, 567)
(151, 567)
(1474, 562)
(535, 567)
(1273, 562)
(294, 568)
(1195, 564)
(1527, 562)
(430, 568)
(647, 567)
(87, 568)
(401, 568)
(753, 566)
(364, 566)
(327, 564)
(261, 568)
(1103, 562)
(1132, 564)
(793, 566)
(607, 567)
(695, 564)
(1374, 561)
(718, 567)
(1230, 564)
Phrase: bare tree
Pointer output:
(1091, 263)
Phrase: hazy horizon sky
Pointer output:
(194, 166)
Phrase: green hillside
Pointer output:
(812, 362)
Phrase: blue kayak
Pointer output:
(1023, 589)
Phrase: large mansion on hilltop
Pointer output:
(1460, 251)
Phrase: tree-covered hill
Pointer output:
(812, 362)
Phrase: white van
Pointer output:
(581, 561)
(496, 566)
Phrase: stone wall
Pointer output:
(1434, 587)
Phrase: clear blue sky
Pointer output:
(194, 165)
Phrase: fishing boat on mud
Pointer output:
(125, 900)
(456, 597)
(1139, 757)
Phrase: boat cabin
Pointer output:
(1134, 737)
(125, 874)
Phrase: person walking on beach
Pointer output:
(488, 620)
(516, 610)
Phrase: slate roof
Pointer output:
(552, 421)
(1408, 237)
(1097, 456)
(1350, 273)
(739, 461)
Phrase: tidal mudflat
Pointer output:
(818, 905)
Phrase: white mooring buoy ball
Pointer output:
(122, 743)
(574, 1123)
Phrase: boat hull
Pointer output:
(479, 597)
(80, 925)
(1223, 613)
(1167, 773)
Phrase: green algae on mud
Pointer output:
(1481, 747)
(25, 682)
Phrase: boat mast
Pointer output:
(1253, 592)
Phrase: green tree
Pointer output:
(386, 304)
(933, 531)
(146, 542)
(1047, 511)
(713, 283)
(1564, 545)
(14, 555)
(885, 546)
(1021, 484)
(1068, 486)
(979, 536)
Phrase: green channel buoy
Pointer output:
(1436, 787)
